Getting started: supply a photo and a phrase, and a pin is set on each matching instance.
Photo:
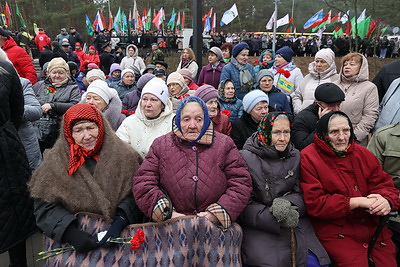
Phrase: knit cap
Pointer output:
(253, 98)
(217, 51)
(326, 54)
(114, 67)
(176, 77)
(186, 74)
(144, 79)
(57, 62)
(286, 52)
(238, 48)
(262, 73)
(329, 93)
(126, 71)
(101, 88)
(96, 73)
(92, 66)
(206, 92)
(158, 88)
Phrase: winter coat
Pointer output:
(386, 75)
(41, 39)
(91, 58)
(361, 102)
(32, 112)
(135, 60)
(123, 89)
(230, 72)
(235, 107)
(81, 55)
(328, 182)
(59, 196)
(242, 129)
(265, 241)
(303, 129)
(21, 60)
(131, 100)
(16, 214)
(210, 75)
(112, 82)
(222, 123)
(389, 108)
(194, 177)
(140, 132)
(260, 65)
(304, 95)
(278, 100)
(192, 66)
(295, 77)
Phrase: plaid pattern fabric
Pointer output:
(221, 214)
(161, 210)
(206, 139)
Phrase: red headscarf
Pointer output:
(77, 153)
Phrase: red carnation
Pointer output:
(131, 112)
(124, 111)
(256, 61)
(226, 112)
(280, 71)
(264, 64)
(286, 73)
(137, 240)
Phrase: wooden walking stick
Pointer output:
(293, 247)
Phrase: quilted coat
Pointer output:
(193, 176)
(16, 208)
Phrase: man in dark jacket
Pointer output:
(328, 97)
(386, 76)
(106, 59)
(71, 55)
(74, 37)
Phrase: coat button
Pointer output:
(194, 148)
(195, 178)
(365, 245)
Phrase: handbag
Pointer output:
(47, 129)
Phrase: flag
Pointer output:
(89, 26)
(320, 31)
(270, 23)
(207, 23)
(130, 19)
(117, 20)
(110, 20)
(289, 27)
(139, 23)
(347, 31)
(35, 29)
(372, 28)
(320, 23)
(383, 30)
(335, 19)
(178, 23)
(148, 20)
(345, 17)
(214, 22)
(282, 21)
(158, 18)
(363, 27)
(7, 13)
(171, 23)
(18, 12)
(103, 20)
(135, 16)
(183, 20)
(3, 19)
(207, 15)
(229, 15)
(362, 16)
(124, 22)
(317, 16)
(97, 23)
(337, 32)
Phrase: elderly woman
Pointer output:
(86, 155)
(56, 94)
(131, 99)
(211, 73)
(321, 70)
(220, 184)
(152, 118)
(228, 100)
(255, 107)
(346, 192)
(187, 76)
(362, 101)
(114, 76)
(209, 95)
(177, 89)
(188, 61)
(106, 100)
(239, 71)
(127, 83)
(276, 208)
(132, 59)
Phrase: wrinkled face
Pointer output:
(212, 58)
(185, 54)
(85, 134)
(151, 106)
(280, 134)
(339, 133)
(131, 51)
(212, 106)
(58, 75)
(229, 90)
(266, 58)
(259, 111)
(116, 74)
(243, 56)
(321, 65)
(351, 68)
(266, 83)
(279, 60)
(128, 78)
(93, 78)
(192, 120)
(226, 53)
(174, 88)
(96, 100)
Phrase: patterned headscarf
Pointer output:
(77, 153)
(264, 131)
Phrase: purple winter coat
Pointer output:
(210, 76)
(131, 100)
(223, 177)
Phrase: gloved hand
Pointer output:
(81, 240)
(114, 231)
(280, 209)
(292, 219)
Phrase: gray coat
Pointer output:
(32, 112)
(265, 241)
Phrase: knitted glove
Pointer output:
(292, 219)
(81, 240)
(119, 223)
(280, 208)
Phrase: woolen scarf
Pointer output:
(246, 79)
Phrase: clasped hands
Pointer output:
(206, 214)
(374, 204)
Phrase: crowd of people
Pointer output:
(299, 162)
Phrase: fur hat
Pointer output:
(286, 52)
(101, 88)
(57, 62)
(156, 87)
(217, 51)
(262, 73)
(238, 48)
(329, 93)
(176, 77)
(186, 74)
(144, 79)
(253, 98)
(206, 92)
(96, 73)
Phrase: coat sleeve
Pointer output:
(32, 108)
(25, 66)
(16, 97)
(123, 131)
(200, 81)
(128, 205)
(297, 98)
(301, 135)
(377, 147)
(74, 98)
(258, 216)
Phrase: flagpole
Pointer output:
(275, 22)
(109, 12)
(292, 8)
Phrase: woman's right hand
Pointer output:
(46, 108)
(361, 202)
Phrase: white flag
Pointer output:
(320, 31)
(345, 17)
(362, 16)
(229, 15)
(270, 23)
(283, 21)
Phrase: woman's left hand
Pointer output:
(46, 108)
(209, 216)
(380, 207)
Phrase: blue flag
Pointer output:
(317, 16)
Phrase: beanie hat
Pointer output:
(217, 51)
(329, 93)
(238, 48)
(126, 71)
(92, 66)
(114, 67)
(158, 88)
(96, 73)
(253, 98)
(262, 73)
(144, 79)
(326, 54)
(286, 52)
(176, 77)
(101, 88)
(206, 92)
(186, 73)
(57, 62)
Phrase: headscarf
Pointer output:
(221, 89)
(206, 133)
(78, 154)
(322, 131)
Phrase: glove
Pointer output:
(114, 231)
(292, 219)
(280, 209)
(81, 240)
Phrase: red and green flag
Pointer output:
(290, 26)
(319, 24)
(7, 12)
(335, 19)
